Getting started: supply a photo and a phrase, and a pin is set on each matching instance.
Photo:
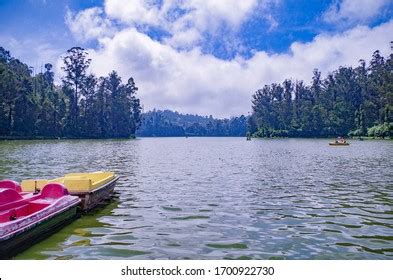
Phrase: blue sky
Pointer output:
(29, 23)
(186, 55)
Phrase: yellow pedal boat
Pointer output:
(92, 188)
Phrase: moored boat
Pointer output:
(91, 188)
(27, 218)
(9, 184)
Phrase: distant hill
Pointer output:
(167, 123)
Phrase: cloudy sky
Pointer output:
(199, 56)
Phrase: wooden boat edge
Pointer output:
(92, 199)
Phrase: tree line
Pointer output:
(349, 101)
(167, 123)
(81, 106)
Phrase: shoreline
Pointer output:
(25, 138)
(39, 138)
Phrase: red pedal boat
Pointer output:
(26, 218)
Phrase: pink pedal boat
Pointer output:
(26, 218)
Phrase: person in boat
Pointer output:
(340, 140)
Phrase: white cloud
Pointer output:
(186, 39)
(35, 52)
(354, 11)
(89, 24)
(187, 20)
(135, 11)
(194, 82)
(199, 12)
(190, 81)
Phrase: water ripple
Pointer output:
(227, 198)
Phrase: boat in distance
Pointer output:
(26, 218)
(340, 141)
(92, 188)
(338, 144)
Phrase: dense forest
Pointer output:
(349, 101)
(82, 106)
(168, 123)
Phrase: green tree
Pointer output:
(348, 101)
(75, 66)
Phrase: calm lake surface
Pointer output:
(215, 198)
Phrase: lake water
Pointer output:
(220, 198)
